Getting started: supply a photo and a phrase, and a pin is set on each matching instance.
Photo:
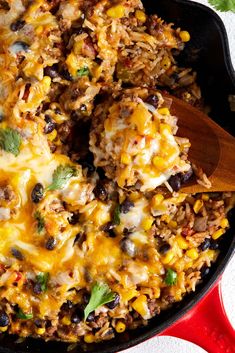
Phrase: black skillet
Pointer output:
(208, 53)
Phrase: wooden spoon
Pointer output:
(212, 148)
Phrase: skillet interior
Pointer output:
(208, 53)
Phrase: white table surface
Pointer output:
(166, 344)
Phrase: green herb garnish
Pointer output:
(84, 71)
(100, 295)
(40, 220)
(42, 279)
(61, 175)
(223, 5)
(171, 277)
(116, 216)
(21, 315)
(10, 140)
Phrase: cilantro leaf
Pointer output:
(100, 295)
(10, 140)
(171, 277)
(61, 175)
(84, 71)
(116, 215)
(42, 279)
(223, 5)
(40, 220)
(21, 315)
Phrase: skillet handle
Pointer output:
(207, 325)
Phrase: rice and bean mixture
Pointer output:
(95, 236)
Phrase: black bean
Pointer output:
(128, 246)
(75, 318)
(186, 176)
(175, 182)
(4, 319)
(50, 125)
(214, 245)
(87, 162)
(108, 228)
(205, 245)
(204, 271)
(51, 243)
(91, 317)
(114, 302)
(164, 248)
(17, 254)
(128, 231)
(100, 191)
(79, 239)
(51, 71)
(74, 218)
(37, 193)
(4, 5)
(83, 108)
(19, 46)
(126, 206)
(86, 297)
(17, 25)
(153, 100)
(37, 288)
(38, 323)
(65, 74)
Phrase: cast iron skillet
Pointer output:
(208, 53)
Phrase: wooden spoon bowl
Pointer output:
(212, 148)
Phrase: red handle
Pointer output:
(206, 325)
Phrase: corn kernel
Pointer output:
(66, 321)
(224, 223)
(159, 163)
(52, 135)
(140, 15)
(46, 81)
(156, 293)
(120, 327)
(125, 158)
(134, 196)
(165, 128)
(157, 200)
(185, 36)
(166, 63)
(217, 234)
(192, 253)
(211, 254)
(183, 244)
(3, 329)
(140, 305)
(147, 223)
(168, 258)
(40, 330)
(205, 197)
(39, 30)
(173, 224)
(197, 206)
(89, 338)
(117, 11)
(164, 111)
(165, 218)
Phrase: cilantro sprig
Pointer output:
(10, 140)
(100, 295)
(61, 176)
(116, 215)
(171, 277)
(21, 315)
(40, 220)
(84, 71)
(223, 5)
(42, 279)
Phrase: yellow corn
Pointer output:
(165, 218)
(52, 135)
(165, 128)
(185, 36)
(217, 234)
(128, 294)
(159, 163)
(192, 253)
(173, 224)
(147, 223)
(66, 321)
(224, 223)
(117, 11)
(140, 305)
(156, 292)
(46, 82)
(125, 158)
(188, 265)
(166, 63)
(89, 338)
(140, 15)
(120, 327)
(211, 254)
(183, 244)
(164, 111)
(40, 330)
(3, 329)
(157, 200)
(134, 196)
(168, 258)
(197, 206)
(39, 30)
(205, 197)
